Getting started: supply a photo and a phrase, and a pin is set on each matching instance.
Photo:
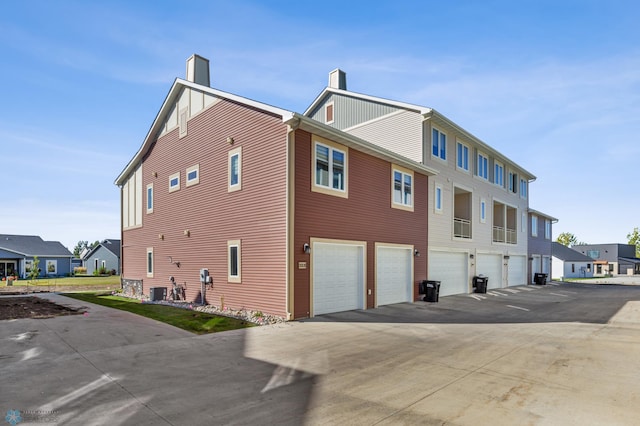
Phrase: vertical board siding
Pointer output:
(256, 214)
(349, 111)
(365, 216)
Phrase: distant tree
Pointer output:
(634, 239)
(95, 244)
(567, 239)
(77, 250)
(35, 269)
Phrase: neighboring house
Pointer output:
(612, 259)
(289, 216)
(104, 255)
(569, 263)
(478, 201)
(17, 253)
(540, 247)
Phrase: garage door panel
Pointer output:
(517, 270)
(393, 275)
(338, 277)
(490, 265)
(451, 269)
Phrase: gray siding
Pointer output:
(102, 254)
(349, 111)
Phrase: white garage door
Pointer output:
(450, 268)
(394, 275)
(490, 265)
(338, 277)
(546, 265)
(536, 266)
(517, 270)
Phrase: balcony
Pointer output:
(504, 235)
(461, 228)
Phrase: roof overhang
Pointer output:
(539, 213)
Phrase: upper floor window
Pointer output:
(438, 199)
(330, 168)
(483, 166)
(193, 175)
(513, 182)
(534, 226)
(498, 174)
(328, 113)
(150, 198)
(523, 188)
(402, 188)
(462, 156)
(235, 169)
(174, 182)
(439, 144)
(547, 229)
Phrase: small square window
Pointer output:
(174, 182)
(193, 175)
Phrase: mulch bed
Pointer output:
(32, 307)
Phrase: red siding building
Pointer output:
(289, 216)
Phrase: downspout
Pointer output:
(292, 125)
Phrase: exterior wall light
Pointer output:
(471, 256)
(416, 253)
(306, 248)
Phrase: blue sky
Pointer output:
(554, 85)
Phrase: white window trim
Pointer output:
(149, 266)
(534, 225)
(483, 210)
(464, 145)
(329, 190)
(196, 180)
(55, 267)
(495, 165)
(238, 245)
(439, 210)
(404, 172)
(177, 187)
(333, 112)
(478, 156)
(236, 186)
(440, 132)
(150, 199)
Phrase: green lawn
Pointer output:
(113, 280)
(193, 321)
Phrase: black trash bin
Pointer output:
(431, 291)
(540, 278)
(480, 283)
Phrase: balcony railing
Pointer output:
(502, 235)
(461, 228)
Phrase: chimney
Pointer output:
(198, 70)
(338, 79)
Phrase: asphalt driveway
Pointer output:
(557, 354)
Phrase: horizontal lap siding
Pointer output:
(365, 216)
(256, 214)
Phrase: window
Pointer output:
(439, 144)
(174, 182)
(547, 229)
(328, 113)
(234, 261)
(150, 198)
(103, 263)
(438, 199)
(150, 262)
(594, 254)
(534, 226)
(483, 211)
(498, 174)
(463, 157)
(513, 182)
(483, 166)
(193, 175)
(573, 267)
(402, 188)
(52, 267)
(235, 169)
(330, 165)
(95, 264)
(523, 188)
